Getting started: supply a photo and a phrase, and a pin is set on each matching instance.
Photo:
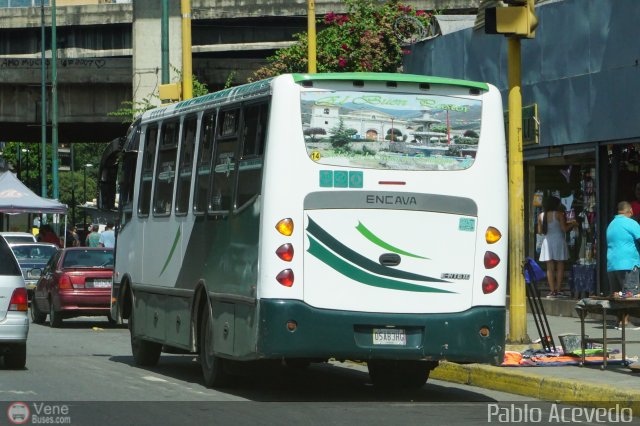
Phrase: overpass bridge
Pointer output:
(110, 53)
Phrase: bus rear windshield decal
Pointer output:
(391, 131)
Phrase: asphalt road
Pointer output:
(87, 367)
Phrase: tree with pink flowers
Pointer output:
(371, 37)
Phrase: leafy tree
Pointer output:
(313, 131)
(130, 110)
(341, 136)
(471, 134)
(369, 37)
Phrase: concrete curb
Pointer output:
(508, 379)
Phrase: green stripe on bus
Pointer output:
(377, 241)
(405, 78)
(361, 261)
(350, 271)
(173, 248)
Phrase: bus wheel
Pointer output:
(145, 353)
(212, 365)
(399, 374)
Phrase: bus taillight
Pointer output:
(285, 252)
(492, 235)
(491, 260)
(285, 277)
(285, 227)
(489, 285)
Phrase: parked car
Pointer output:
(18, 237)
(33, 257)
(75, 282)
(14, 319)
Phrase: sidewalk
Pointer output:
(587, 386)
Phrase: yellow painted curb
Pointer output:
(553, 389)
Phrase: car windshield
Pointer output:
(33, 252)
(88, 259)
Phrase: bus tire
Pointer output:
(145, 353)
(37, 316)
(212, 365)
(399, 373)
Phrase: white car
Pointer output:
(14, 305)
(18, 237)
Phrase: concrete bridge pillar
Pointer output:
(147, 42)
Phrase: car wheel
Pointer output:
(112, 322)
(55, 317)
(16, 359)
(37, 316)
(212, 365)
(145, 353)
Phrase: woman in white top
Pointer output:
(552, 224)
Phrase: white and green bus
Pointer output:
(309, 217)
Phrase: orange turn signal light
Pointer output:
(492, 235)
(285, 226)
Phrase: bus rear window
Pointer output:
(390, 131)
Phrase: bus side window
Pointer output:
(203, 164)
(187, 145)
(224, 162)
(149, 156)
(166, 168)
(250, 169)
(127, 176)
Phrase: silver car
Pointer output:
(32, 258)
(14, 304)
(18, 237)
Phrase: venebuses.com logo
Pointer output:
(20, 413)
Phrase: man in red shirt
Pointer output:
(47, 235)
(635, 204)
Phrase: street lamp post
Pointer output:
(25, 151)
(84, 215)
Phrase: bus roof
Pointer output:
(374, 76)
(262, 87)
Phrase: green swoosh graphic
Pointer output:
(173, 248)
(363, 262)
(356, 274)
(377, 241)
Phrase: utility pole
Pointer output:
(187, 69)
(54, 101)
(311, 34)
(516, 21)
(43, 105)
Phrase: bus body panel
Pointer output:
(327, 333)
(431, 257)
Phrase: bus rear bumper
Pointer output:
(323, 333)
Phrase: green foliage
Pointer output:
(70, 185)
(130, 110)
(340, 136)
(369, 37)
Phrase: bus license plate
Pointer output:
(101, 284)
(389, 336)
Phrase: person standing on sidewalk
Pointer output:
(93, 239)
(554, 251)
(108, 237)
(623, 258)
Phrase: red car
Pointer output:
(75, 282)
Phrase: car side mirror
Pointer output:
(35, 273)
